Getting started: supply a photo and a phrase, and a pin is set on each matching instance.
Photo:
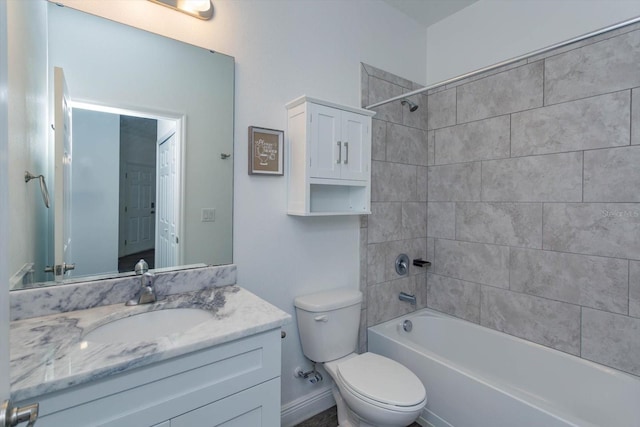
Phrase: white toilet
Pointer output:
(370, 390)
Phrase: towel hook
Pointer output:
(28, 176)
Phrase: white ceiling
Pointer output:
(427, 12)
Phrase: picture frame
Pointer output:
(266, 151)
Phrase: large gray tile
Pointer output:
(513, 224)
(363, 265)
(406, 145)
(381, 258)
(474, 262)
(455, 297)
(507, 92)
(442, 109)
(417, 118)
(393, 182)
(431, 147)
(381, 90)
(385, 75)
(491, 72)
(364, 86)
(480, 140)
(441, 220)
(414, 220)
(603, 67)
(611, 339)
(362, 335)
(451, 183)
(607, 229)
(612, 175)
(597, 122)
(378, 140)
(548, 178)
(634, 288)
(421, 291)
(578, 279)
(551, 323)
(385, 222)
(421, 183)
(635, 117)
(384, 303)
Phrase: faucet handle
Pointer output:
(141, 267)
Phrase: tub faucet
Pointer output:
(147, 291)
(407, 297)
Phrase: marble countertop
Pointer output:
(48, 353)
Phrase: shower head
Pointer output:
(412, 107)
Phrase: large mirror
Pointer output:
(138, 160)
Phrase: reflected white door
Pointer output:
(62, 174)
(167, 241)
(139, 209)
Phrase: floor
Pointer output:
(328, 418)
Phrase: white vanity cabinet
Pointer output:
(329, 163)
(232, 384)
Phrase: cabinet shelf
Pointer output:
(329, 163)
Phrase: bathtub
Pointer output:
(478, 377)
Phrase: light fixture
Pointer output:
(201, 9)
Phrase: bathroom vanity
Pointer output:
(222, 369)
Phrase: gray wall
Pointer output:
(533, 200)
(398, 223)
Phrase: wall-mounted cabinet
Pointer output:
(329, 163)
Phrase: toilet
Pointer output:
(370, 390)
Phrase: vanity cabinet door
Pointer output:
(255, 407)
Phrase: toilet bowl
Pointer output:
(375, 391)
(370, 390)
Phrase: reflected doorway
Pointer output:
(125, 190)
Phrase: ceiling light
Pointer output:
(201, 9)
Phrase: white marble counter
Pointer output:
(48, 353)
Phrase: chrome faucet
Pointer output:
(407, 297)
(147, 291)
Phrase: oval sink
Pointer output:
(148, 326)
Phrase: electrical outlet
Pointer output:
(208, 215)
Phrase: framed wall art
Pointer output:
(266, 151)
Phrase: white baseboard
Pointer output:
(306, 407)
(429, 419)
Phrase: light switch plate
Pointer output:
(208, 215)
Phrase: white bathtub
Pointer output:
(478, 377)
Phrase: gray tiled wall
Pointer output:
(532, 182)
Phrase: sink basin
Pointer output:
(148, 326)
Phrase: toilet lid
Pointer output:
(382, 379)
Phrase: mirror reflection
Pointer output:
(136, 162)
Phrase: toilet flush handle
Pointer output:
(322, 318)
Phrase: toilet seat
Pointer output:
(381, 382)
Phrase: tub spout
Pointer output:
(407, 297)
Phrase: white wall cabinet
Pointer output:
(232, 384)
(329, 163)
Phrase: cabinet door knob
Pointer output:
(339, 152)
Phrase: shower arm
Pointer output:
(506, 62)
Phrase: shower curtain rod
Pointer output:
(507, 62)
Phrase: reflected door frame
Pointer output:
(179, 184)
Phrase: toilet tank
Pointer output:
(328, 323)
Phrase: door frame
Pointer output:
(180, 131)
(4, 210)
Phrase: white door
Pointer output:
(325, 148)
(356, 153)
(167, 212)
(62, 174)
(139, 209)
